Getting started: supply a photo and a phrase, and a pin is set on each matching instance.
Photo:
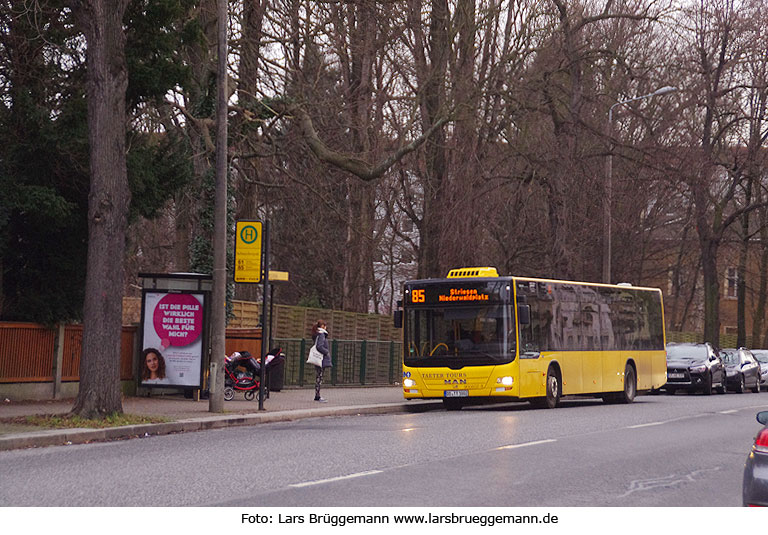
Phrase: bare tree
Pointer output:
(102, 25)
(716, 180)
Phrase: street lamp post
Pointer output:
(608, 193)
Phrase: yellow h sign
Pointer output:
(248, 251)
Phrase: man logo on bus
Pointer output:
(455, 381)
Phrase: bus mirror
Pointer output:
(398, 319)
(524, 314)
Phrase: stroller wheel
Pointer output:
(229, 393)
(249, 395)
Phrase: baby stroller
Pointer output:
(243, 373)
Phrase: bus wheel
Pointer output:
(553, 389)
(453, 404)
(630, 385)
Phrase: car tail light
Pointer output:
(761, 441)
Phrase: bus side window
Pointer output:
(526, 332)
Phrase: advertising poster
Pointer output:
(172, 348)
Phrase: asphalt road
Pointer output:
(686, 450)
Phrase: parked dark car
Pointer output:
(742, 370)
(694, 367)
(754, 489)
(762, 358)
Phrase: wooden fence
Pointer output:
(30, 353)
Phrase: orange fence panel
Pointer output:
(26, 352)
(73, 347)
(243, 340)
(126, 353)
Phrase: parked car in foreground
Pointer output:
(762, 358)
(754, 489)
(742, 370)
(694, 367)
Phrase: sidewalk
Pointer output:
(183, 415)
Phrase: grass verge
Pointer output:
(67, 421)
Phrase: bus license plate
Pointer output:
(456, 393)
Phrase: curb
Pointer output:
(62, 437)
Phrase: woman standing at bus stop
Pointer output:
(320, 339)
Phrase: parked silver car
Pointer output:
(755, 487)
(762, 357)
(742, 369)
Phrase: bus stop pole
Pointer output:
(265, 321)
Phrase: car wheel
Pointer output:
(630, 386)
(742, 385)
(707, 390)
(553, 389)
(723, 388)
(756, 389)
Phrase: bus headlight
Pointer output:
(408, 383)
(506, 381)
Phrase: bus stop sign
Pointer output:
(248, 251)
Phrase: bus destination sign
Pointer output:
(455, 294)
(462, 294)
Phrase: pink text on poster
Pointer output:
(178, 320)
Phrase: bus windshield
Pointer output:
(451, 336)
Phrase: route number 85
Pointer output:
(417, 296)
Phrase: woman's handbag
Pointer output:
(315, 357)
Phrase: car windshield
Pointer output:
(687, 351)
(761, 356)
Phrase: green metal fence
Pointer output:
(355, 362)
(726, 340)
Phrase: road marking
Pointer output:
(513, 446)
(645, 425)
(669, 481)
(333, 479)
(729, 412)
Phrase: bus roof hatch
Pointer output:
(473, 272)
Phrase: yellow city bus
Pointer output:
(476, 336)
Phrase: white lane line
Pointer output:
(513, 446)
(645, 425)
(332, 479)
(702, 415)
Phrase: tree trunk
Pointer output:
(741, 288)
(711, 293)
(102, 24)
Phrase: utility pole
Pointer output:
(219, 297)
